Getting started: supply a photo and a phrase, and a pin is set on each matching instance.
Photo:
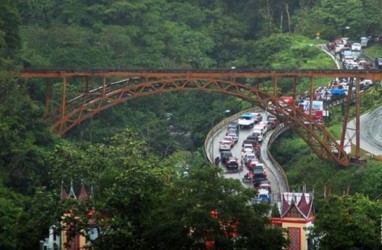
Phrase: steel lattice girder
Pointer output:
(88, 104)
(151, 81)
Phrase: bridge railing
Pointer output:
(277, 167)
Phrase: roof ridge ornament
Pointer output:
(72, 194)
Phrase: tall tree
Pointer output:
(9, 31)
(348, 222)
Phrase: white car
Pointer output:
(258, 117)
(247, 148)
(225, 145)
(246, 120)
(364, 42)
(233, 135)
(367, 82)
(356, 47)
(230, 138)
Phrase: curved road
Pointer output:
(370, 123)
(371, 132)
(278, 183)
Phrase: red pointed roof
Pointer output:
(82, 196)
(304, 206)
(302, 202)
(285, 205)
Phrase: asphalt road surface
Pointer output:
(236, 151)
(370, 131)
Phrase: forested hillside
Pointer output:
(131, 158)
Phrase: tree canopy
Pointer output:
(144, 161)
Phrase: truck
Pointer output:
(246, 120)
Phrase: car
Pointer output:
(258, 130)
(248, 157)
(233, 135)
(231, 139)
(259, 174)
(258, 179)
(232, 164)
(225, 145)
(353, 65)
(356, 47)
(259, 170)
(225, 155)
(286, 100)
(247, 148)
(378, 62)
(367, 82)
(260, 138)
(263, 196)
(231, 130)
(251, 164)
(345, 52)
(248, 177)
(233, 126)
(249, 141)
(252, 138)
(258, 117)
(364, 42)
(337, 92)
(273, 123)
(266, 185)
(347, 58)
(246, 120)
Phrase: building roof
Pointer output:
(82, 195)
(297, 205)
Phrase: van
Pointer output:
(364, 42)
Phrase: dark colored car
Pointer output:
(259, 175)
(252, 139)
(247, 141)
(224, 156)
(232, 164)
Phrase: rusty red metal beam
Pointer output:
(375, 75)
(147, 82)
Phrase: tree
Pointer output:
(371, 180)
(9, 32)
(24, 136)
(205, 206)
(348, 222)
(11, 211)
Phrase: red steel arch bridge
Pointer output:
(73, 95)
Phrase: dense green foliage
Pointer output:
(137, 176)
(358, 216)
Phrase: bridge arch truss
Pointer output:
(124, 86)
